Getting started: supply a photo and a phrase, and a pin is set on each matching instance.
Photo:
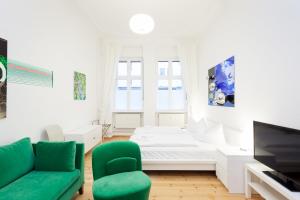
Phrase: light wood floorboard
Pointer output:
(168, 185)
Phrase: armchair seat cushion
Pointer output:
(123, 186)
(40, 185)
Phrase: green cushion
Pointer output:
(55, 156)
(16, 160)
(122, 164)
(40, 185)
(124, 186)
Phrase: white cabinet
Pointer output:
(90, 135)
(230, 167)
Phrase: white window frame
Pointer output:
(170, 77)
(129, 79)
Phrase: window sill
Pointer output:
(171, 111)
(128, 111)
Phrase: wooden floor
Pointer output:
(172, 185)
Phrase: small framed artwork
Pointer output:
(79, 86)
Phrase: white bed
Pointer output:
(171, 148)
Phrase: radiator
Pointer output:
(171, 119)
(127, 120)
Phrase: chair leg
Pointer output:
(81, 190)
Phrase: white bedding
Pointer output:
(171, 144)
(169, 140)
(171, 148)
(203, 151)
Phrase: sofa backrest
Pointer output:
(16, 159)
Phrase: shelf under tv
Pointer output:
(290, 184)
(264, 185)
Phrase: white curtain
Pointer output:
(111, 56)
(187, 52)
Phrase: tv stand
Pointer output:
(267, 187)
(283, 180)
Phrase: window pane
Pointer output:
(176, 67)
(136, 95)
(122, 68)
(163, 68)
(178, 95)
(176, 85)
(121, 95)
(136, 68)
(163, 95)
(122, 84)
(163, 85)
(136, 85)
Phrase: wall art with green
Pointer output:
(79, 86)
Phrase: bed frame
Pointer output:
(174, 159)
(178, 165)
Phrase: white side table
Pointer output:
(105, 129)
(230, 167)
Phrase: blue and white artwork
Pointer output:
(221, 84)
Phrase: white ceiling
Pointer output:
(173, 18)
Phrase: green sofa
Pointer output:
(19, 180)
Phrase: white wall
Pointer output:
(263, 35)
(55, 35)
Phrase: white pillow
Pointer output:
(233, 136)
(214, 135)
(195, 127)
(191, 126)
(210, 123)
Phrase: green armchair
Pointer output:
(117, 171)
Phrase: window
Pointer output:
(129, 86)
(170, 90)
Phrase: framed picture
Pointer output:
(221, 84)
(3, 77)
(26, 74)
(79, 86)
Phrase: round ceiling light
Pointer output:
(141, 24)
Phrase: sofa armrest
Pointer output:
(79, 160)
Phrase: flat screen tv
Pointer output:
(279, 148)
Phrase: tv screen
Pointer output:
(278, 148)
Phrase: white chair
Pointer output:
(55, 133)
